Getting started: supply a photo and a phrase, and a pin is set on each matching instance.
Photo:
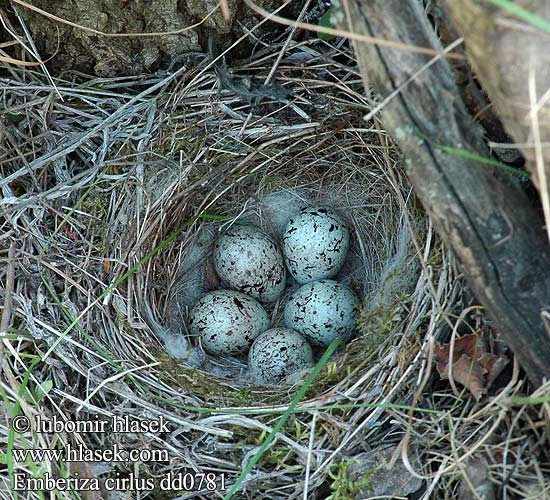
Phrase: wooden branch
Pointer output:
(485, 218)
(505, 53)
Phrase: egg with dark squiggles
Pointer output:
(277, 353)
(248, 260)
(227, 321)
(315, 244)
(322, 311)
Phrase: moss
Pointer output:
(189, 140)
(244, 397)
(377, 324)
(328, 377)
(214, 392)
(243, 436)
(193, 381)
(97, 205)
(343, 488)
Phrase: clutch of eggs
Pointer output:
(315, 244)
(248, 260)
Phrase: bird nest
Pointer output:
(113, 190)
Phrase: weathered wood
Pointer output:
(505, 53)
(120, 38)
(488, 221)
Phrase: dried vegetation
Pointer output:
(106, 182)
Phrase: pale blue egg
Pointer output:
(227, 321)
(277, 353)
(248, 260)
(315, 244)
(322, 311)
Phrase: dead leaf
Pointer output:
(494, 365)
(468, 373)
(471, 345)
(472, 365)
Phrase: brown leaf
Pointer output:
(472, 365)
(471, 375)
(493, 365)
(471, 345)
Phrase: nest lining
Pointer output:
(359, 202)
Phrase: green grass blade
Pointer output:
(68, 316)
(529, 400)
(163, 244)
(524, 14)
(473, 156)
(278, 426)
(273, 411)
(14, 413)
(26, 377)
(483, 159)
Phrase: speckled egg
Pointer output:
(277, 353)
(322, 311)
(248, 260)
(315, 244)
(227, 321)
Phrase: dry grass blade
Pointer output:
(347, 34)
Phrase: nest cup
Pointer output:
(380, 267)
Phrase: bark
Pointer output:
(475, 98)
(506, 53)
(486, 219)
(67, 47)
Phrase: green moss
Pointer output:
(209, 388)
(244, 397)
(343, 488)
(97, 205)
(328, 377)
(376, 325)
(193, 381)
(189, 141)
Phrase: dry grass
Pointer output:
(106, 185)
